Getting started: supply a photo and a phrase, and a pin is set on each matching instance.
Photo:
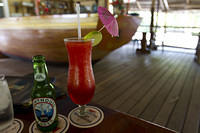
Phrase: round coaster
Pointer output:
(93, 117)
(16, 127)
(63, 125)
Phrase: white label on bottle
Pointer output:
(39, 77)
(44, 111)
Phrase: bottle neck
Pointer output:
(40, 74)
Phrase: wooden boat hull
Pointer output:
(25, 42)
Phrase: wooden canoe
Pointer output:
(28, 36)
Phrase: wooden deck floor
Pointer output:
(163, 87)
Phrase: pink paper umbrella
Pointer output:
(109, 21)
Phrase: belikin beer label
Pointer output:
(44, 111)
(39, 77)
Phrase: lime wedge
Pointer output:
(97, 36)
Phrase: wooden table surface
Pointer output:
(114, 122)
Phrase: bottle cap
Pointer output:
(38, 58)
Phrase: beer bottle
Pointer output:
(43, 97)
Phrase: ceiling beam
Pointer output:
(187, 1)
(145, 2)
(162, 5)
(184, 6)
(165, 2)
(138, 5)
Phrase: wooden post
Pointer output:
(6, 8)
(197, 57)
(143, 49)
(165, 30)
(127, 6)
(37, 8)
(107, 4)
(152, 23)
(71, 6)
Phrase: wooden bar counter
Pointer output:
(25, 37)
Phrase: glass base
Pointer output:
(16, 127)
(93, 116)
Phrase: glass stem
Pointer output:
(82, 110)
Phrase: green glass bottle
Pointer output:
(43, 97)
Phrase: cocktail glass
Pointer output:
(81, 83)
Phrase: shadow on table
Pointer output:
(21, 87)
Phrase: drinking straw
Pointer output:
(78, 19)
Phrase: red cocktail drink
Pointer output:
(81, 83)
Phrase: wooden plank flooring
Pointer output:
(162, 87)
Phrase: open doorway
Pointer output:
(174, 29)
